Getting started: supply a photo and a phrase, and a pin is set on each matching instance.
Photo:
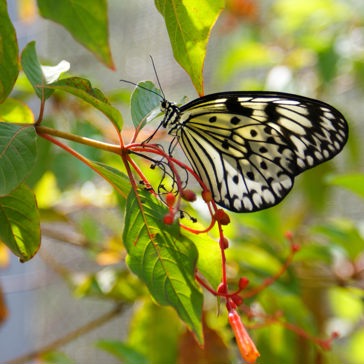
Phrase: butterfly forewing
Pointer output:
(247, 147)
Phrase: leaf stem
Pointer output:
(79, 139)
(41, 109)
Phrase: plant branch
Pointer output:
(78, 139)
(94, 324)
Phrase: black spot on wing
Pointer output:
(233, 106)
(234, 120)
(272, 113)
(225, 144)
(253, 133)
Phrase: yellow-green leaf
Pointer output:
(15, 111)
(189, 24)
(19, 222)
(87, 21)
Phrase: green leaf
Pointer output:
(19, 222)
(87, 21)
(33, 70)
(144, 99)
(343, 233)
(15, 111)
(327, 62)
(17, 155)
(122, 351)
(163, 259)
(189, 24)
(9, 65)
(353, 182)
(55, 357)
(314, 253)
(83, 89)
(155, 330)
(209, 257)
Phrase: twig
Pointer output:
(94, 324)
(79, 139)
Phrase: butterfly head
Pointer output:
(171, 113)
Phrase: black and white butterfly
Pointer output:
(248, 147)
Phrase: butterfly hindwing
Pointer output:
(247, 147)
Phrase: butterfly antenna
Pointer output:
(156, 75)
(144, 88)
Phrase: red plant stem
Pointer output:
(138, 171)
(155, 149)
(272, 279)
(203, 284)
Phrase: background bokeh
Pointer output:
(313, 48)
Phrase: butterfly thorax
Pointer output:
(172, 116)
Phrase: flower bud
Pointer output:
(246, 345)
(188, 195)
(168, 219)
(170, 199)
(206, 196)
(222, 217)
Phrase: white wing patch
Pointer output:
(247, 147)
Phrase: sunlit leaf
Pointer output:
(15, 111)
(155, 330)
(209, 257)
(189, 24)
(346, 303)
(19, 222)
(87, 21)
(355, 346)
(163, 259)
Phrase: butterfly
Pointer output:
(248, 147)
